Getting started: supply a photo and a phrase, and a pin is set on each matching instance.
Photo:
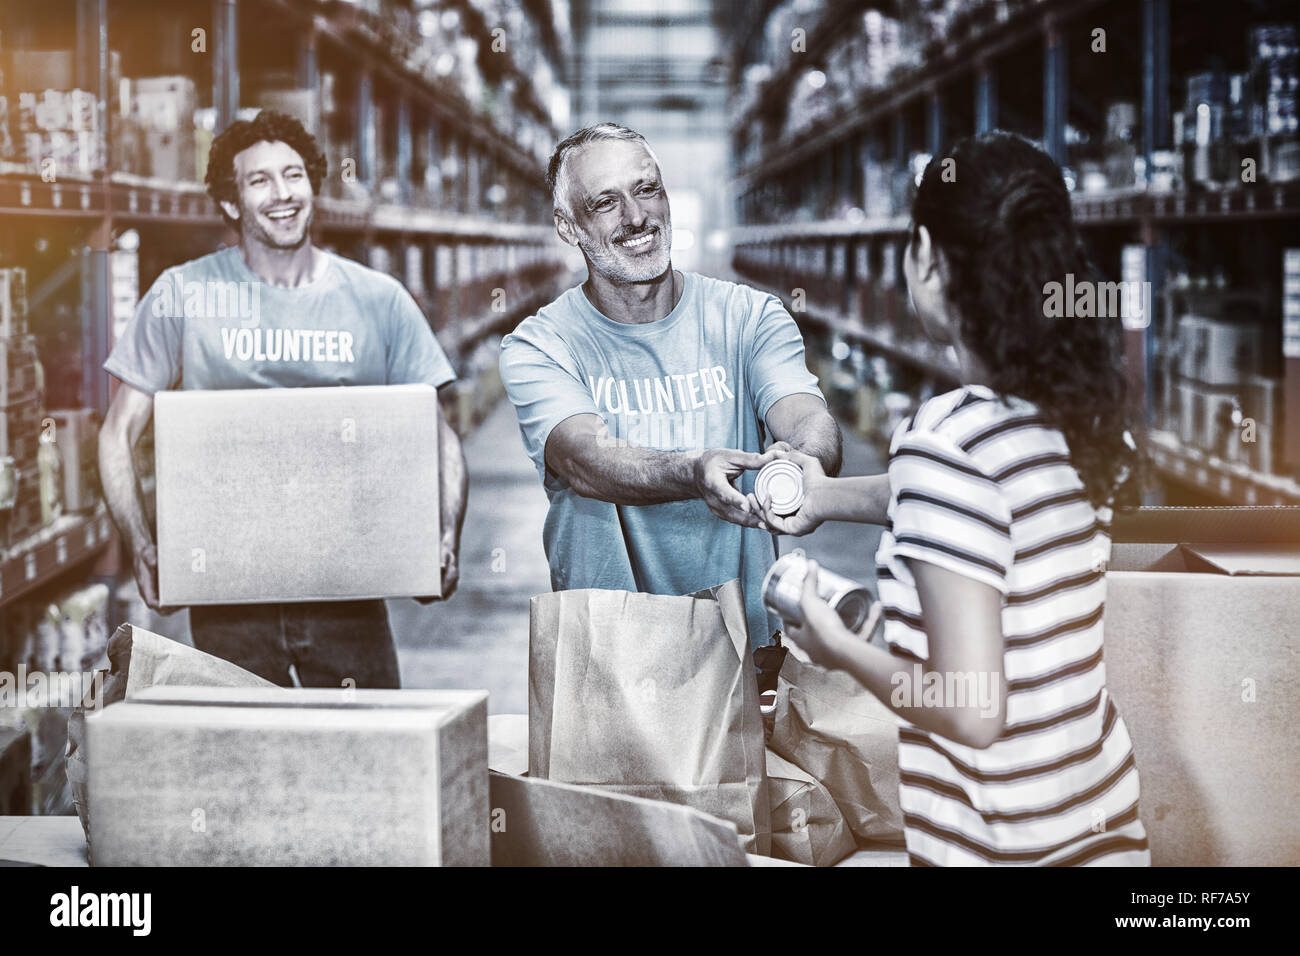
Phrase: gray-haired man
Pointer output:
(646, 393)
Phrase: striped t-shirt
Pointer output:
(985, 488)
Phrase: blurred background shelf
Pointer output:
(1175, 124)
(57, 549)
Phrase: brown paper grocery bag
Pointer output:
(807, 826)
(650, 695)
(830, 726)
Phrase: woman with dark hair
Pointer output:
(997, 510)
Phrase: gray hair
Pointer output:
(555, 178)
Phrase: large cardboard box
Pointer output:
(297, 494)
(1201, 658)
(226, 776)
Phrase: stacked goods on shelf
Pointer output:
(65, 633)
(53, 646)
(20, 419)
(45, 118)
(1228, 118)
(162, 111)
(1215, 397)
(74, 437)
(13, 302)
(59, 133)
(1121, 144)
(1274, 80)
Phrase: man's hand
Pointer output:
(450, 563)
(715, 470)
(822, 635)
(146, 577)
(815, 486)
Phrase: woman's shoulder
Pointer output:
(966, 413)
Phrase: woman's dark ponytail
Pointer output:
(1001, 217)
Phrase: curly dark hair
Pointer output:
(1005, 229)
(269, 126)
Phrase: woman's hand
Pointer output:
(822, 636)
(815, 487)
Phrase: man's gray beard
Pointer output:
(608, 263)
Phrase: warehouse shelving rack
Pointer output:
(848, 266)
(465, 249)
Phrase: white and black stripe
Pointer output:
(984, 487)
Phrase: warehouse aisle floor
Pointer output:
(479, 639)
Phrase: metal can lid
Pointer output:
(780, 482)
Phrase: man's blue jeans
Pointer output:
(328, 643)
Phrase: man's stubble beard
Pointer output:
(614, 267)
(261, 235)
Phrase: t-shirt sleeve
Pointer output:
(775, 359)
(413, 354)
(546, 387)
(147, 356)
(947, 512)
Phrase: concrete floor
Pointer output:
(479, 639)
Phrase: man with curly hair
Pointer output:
(274, 312)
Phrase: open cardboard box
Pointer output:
(239, 776)
(1202, 632)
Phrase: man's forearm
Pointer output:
(453, 481)
(816, 434)
(631, 475)
(121, 486)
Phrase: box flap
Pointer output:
(1243, 559)
(1229, 525)
(331, 698)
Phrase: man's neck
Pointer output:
(287, 268)
(634, 303)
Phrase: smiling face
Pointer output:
(275, 196)
(620, 215)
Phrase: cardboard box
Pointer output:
(1215, 352)
(297, 494)
(170, 155)
(164, 108)
(165, 102)
(1201, 659)
(268, 776)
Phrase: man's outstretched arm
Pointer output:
(596, 465)
(803, 422)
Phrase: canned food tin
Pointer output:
(783, 587)
(781, 482)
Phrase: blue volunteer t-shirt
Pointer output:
(704, 376)
(211, 323)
